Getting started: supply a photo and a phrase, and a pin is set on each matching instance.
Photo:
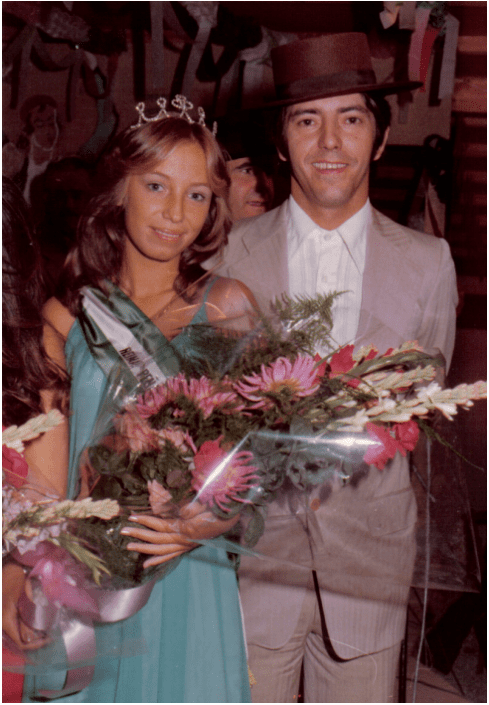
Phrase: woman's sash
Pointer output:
(119, 334)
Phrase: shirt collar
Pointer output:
(350, 230)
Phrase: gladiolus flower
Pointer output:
(219, 477)
(298, 379)
(386, 447)
(407, 435)
(320, 369)
(342, 361)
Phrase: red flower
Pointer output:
(320, 369)
(385, 448)
(15, 466)
(407, 435)
(342, 361)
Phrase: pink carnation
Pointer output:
(137, 432)
(232, 477)
(299, 378)
(180, 439)
(159, 497)
(386, 447)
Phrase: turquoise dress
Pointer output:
(188, 637)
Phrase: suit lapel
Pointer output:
(265, 261)
(389, 284)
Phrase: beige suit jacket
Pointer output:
(364, 533)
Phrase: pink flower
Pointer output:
(180, 439)
(136, 431)
(407, 435)
(233, 474)
(15, 466)
(153, 400)
(298, 378)
(204, 393)
(384, 450)
(159, 497)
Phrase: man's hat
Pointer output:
(329, 65)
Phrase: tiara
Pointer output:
(179, 102)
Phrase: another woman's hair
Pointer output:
(98, 253)
(26, 370)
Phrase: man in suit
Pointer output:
(400, 285)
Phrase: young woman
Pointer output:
(161, 212)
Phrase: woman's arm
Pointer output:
(47, 455)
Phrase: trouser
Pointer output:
(367, 679)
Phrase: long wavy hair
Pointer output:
(97, 255)
(26, 368)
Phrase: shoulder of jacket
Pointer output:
(263, 221)
(407, 236)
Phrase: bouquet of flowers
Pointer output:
(39, 532)
(268, 412)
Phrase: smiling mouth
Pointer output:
(167, 235)
(329, 166)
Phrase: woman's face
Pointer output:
(166, 207)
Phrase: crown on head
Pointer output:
(181, 103)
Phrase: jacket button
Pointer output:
(315, 504)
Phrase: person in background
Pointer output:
(36, 146)
(31, 385)
(399, 285)
(250, 160)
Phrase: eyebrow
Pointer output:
(314, 111)
(165, 176)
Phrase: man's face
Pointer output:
(330, 142)
(251, 190)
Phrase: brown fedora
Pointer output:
(329, 65)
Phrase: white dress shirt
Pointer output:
(321, 261)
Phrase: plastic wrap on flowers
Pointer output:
(259, 425)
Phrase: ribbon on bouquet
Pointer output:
(77, 629)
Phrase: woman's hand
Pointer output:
(13, 582)
(168, 538)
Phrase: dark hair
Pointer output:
(375, 102)
(25, 367)
(97, 256)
